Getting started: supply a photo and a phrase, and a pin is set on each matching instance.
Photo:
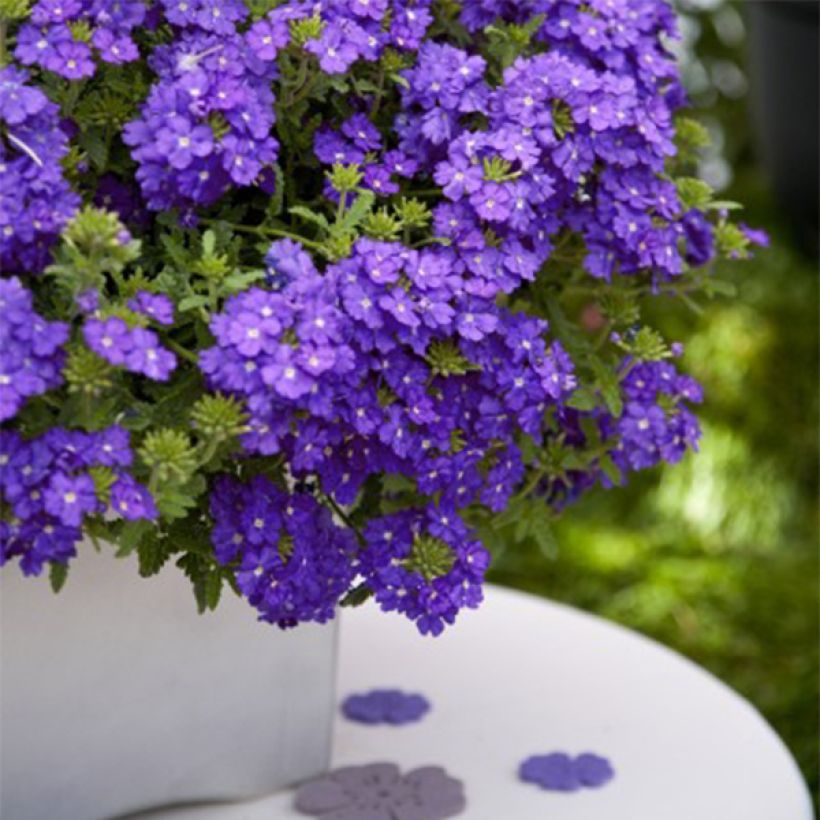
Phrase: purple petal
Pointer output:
(555, 772)
(321, 796)
(592, 770)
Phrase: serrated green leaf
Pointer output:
(131, 535)
(277, 201)
(310, 216)
(205, 579)
(93, 142)
(153, 553)
(354, 215)
(176, 250)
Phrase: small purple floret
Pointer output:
(385, 706)
(561, 772)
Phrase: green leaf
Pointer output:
(354, 215)
(57, 574)
(176, 250)
(606, 381)
(610, 470)
(192, 303)
(131, 535)
(95, 146)
(206, 580)
(174, 501)
(310, 216)
(544, 537)
(694, 193)
(583, 399)
(356, 597)
(237, 282)
(153, 553)
(277, 201)
(208, 243)
(725, 205)
(720, 286)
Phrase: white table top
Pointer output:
(523, 676)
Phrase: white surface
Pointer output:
(522, 676)
(116, 695)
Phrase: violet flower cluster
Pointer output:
(47, 484)
(50, 39)
(31, 355)
(345, 374)
(293, 563)
(137, 349)
(206, 124)
(344, 336)
(35, 200)
(576, 139)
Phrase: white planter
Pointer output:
(116, 696)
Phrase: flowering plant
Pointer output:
(316, 299)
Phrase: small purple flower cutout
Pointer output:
(381, 792)
(560, 772)
(385, 706)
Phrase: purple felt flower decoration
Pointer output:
(560, 772)
(380, 792)
(385, 706)
(592, 770)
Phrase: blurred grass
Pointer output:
(718, 557)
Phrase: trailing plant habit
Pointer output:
(319, 298)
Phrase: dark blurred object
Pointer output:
(784, 66)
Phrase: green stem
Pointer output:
(181, 351)
(533, 482)
(379, 94)
(340, 211)
(3, 30)
(209, 451)
(344, 517)
(261, 231)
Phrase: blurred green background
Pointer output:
(718, 557)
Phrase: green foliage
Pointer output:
(14, 9)
(413, 214)
(430, 557)
(57, 575)
(382, 225)
(694, 193)
(219, 417)
(309, 28)
(508, 41)
(87, 373)
(691, 138)
(498, 169)
(562, 122)
(104, 479)
(169, 454)
(345, 178)
(95, 245)
(446, 359)
(206, 579)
